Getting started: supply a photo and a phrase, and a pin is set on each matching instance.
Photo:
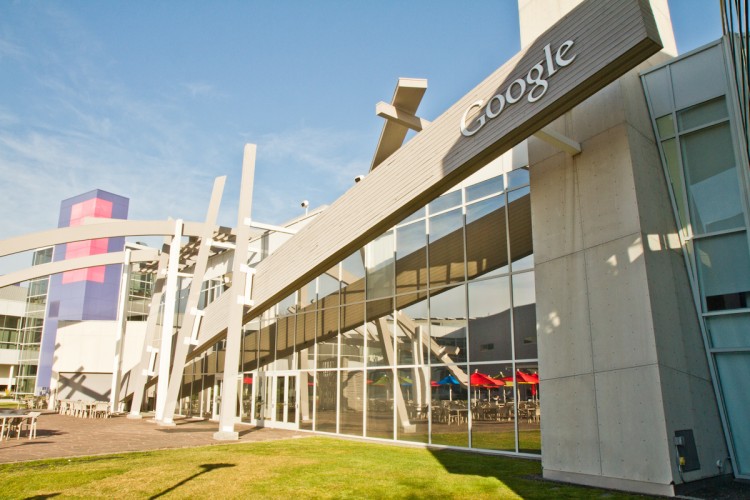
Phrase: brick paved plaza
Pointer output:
(61, 436)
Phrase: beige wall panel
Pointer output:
(555, 206)
(574, 446)
(690, 404)
(607, 193)
(565, 349)
(631, 425)
(620, 309)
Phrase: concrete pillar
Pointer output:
(621, 360)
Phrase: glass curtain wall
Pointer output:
(696, 122)
(428, 334)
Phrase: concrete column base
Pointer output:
(134, 416)
(226, 436)
(165, 423)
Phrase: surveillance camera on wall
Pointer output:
(305, 204)
(359, 178)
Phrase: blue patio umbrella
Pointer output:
(450, 381)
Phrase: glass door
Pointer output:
(276, 399)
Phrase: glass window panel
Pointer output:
(489, 320)
(518, 177)
(382, 395)
(285, 336)
(659, 91)
(665, 126)
(446, 249)
(352, 402)
(493, 411)
(305, 331)
(734, 373)
(379, 332)
(353, 278)
(288, 305)
(710, 169)
(724, 270)
(308, 295)
(250, 349)
(267, 344)
(412, 329)
(325, 401)
(448, 324)
(328, 342)
(731, 331)
(416, 215)
(307, 399)
(328, 288)
(412, 424)
(380, 266)
(528, 411)
(519, 222)
(448, 200)
(669, 147)
(524, 316)
(450, 408)
(484, 188)
(352, 336)
(411, 257)
(698, 77)
(702, 114)
(486, 238)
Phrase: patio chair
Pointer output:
(101, 410)
(29, 422)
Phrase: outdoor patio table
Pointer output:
(8, 415)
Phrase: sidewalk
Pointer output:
(60, 436)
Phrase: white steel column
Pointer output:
(238, 299)
(192, 318)
(167, 324)
(122, 316)
(139, 374)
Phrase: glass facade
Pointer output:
(427, 334)
(696, 123)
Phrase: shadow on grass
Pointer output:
(42, 497)
(205, 467)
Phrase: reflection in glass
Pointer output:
(352, 402)
(734, 373)
(724, 271)
(446, 201)
(492, 407)
(325, 402)
(379, 332)
(528, 410)
(412, 331)
(411, 257)
(381, 395)
(328, 342)
(484, 188)
(486, 238)
(353, 278)
(671, 156)
(519, 222)
(380, 267)
(518, 177)
(450, 409)
(489, 320)
(448, 324)
(307, 399)
(352, 336)
(446, 250)
(713, 185)
(412, 421)
(524, 316)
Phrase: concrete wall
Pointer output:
(621, 359)
(88, 347)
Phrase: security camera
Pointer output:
(305, 204)
(359, 178)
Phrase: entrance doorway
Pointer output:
(276, 397)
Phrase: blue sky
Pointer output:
(152, 100)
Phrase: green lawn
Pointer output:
(315, 467)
